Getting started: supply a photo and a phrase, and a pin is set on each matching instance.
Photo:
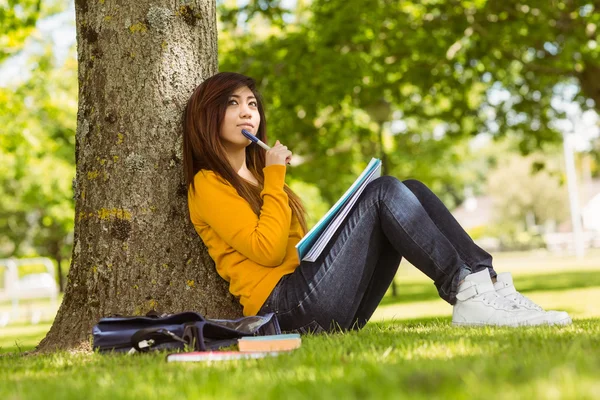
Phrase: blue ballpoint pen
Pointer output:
(256, 140)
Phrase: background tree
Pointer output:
(135, 249)
(38, 152)
(440, 71)
(448, 69)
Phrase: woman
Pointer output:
(250, 221)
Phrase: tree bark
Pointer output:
(135, 249)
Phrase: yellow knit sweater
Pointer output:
(250, 252)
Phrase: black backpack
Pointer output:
(177, 331)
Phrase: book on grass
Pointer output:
(269, 343)
(209, 356)
(312, 244)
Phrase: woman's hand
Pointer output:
(278, 154)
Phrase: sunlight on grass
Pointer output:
(408, 350)
(444, 351)
(414, 359)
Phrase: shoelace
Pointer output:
(494, 299)
(524, 301)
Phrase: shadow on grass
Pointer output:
(408, 293)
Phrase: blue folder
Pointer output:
(312, 244)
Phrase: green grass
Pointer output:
(418, 359)
(418, 354)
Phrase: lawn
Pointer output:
(409, 350)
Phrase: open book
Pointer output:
(312, 244)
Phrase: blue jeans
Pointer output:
(391, 219)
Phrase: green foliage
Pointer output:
(18, 19)
(38, 152)
(315, 206)
(445, 69)
(319, 121)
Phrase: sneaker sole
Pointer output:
(562, 322)
(481, 324)
(566, 321)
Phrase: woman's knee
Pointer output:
(388, 189)
(390, 186)
(419, 189)
(414, 184)
(387, 182)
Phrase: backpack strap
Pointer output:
(144, 339)
(194, 336)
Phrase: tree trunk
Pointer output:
(135, 249)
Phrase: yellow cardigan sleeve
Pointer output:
(263, 239)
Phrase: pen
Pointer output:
(256, 140)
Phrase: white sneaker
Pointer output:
(477, 303)
(504, 287)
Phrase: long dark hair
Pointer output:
(203, 148)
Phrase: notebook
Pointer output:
(312, 244)
(209, 356)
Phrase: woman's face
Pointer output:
(241, 113)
